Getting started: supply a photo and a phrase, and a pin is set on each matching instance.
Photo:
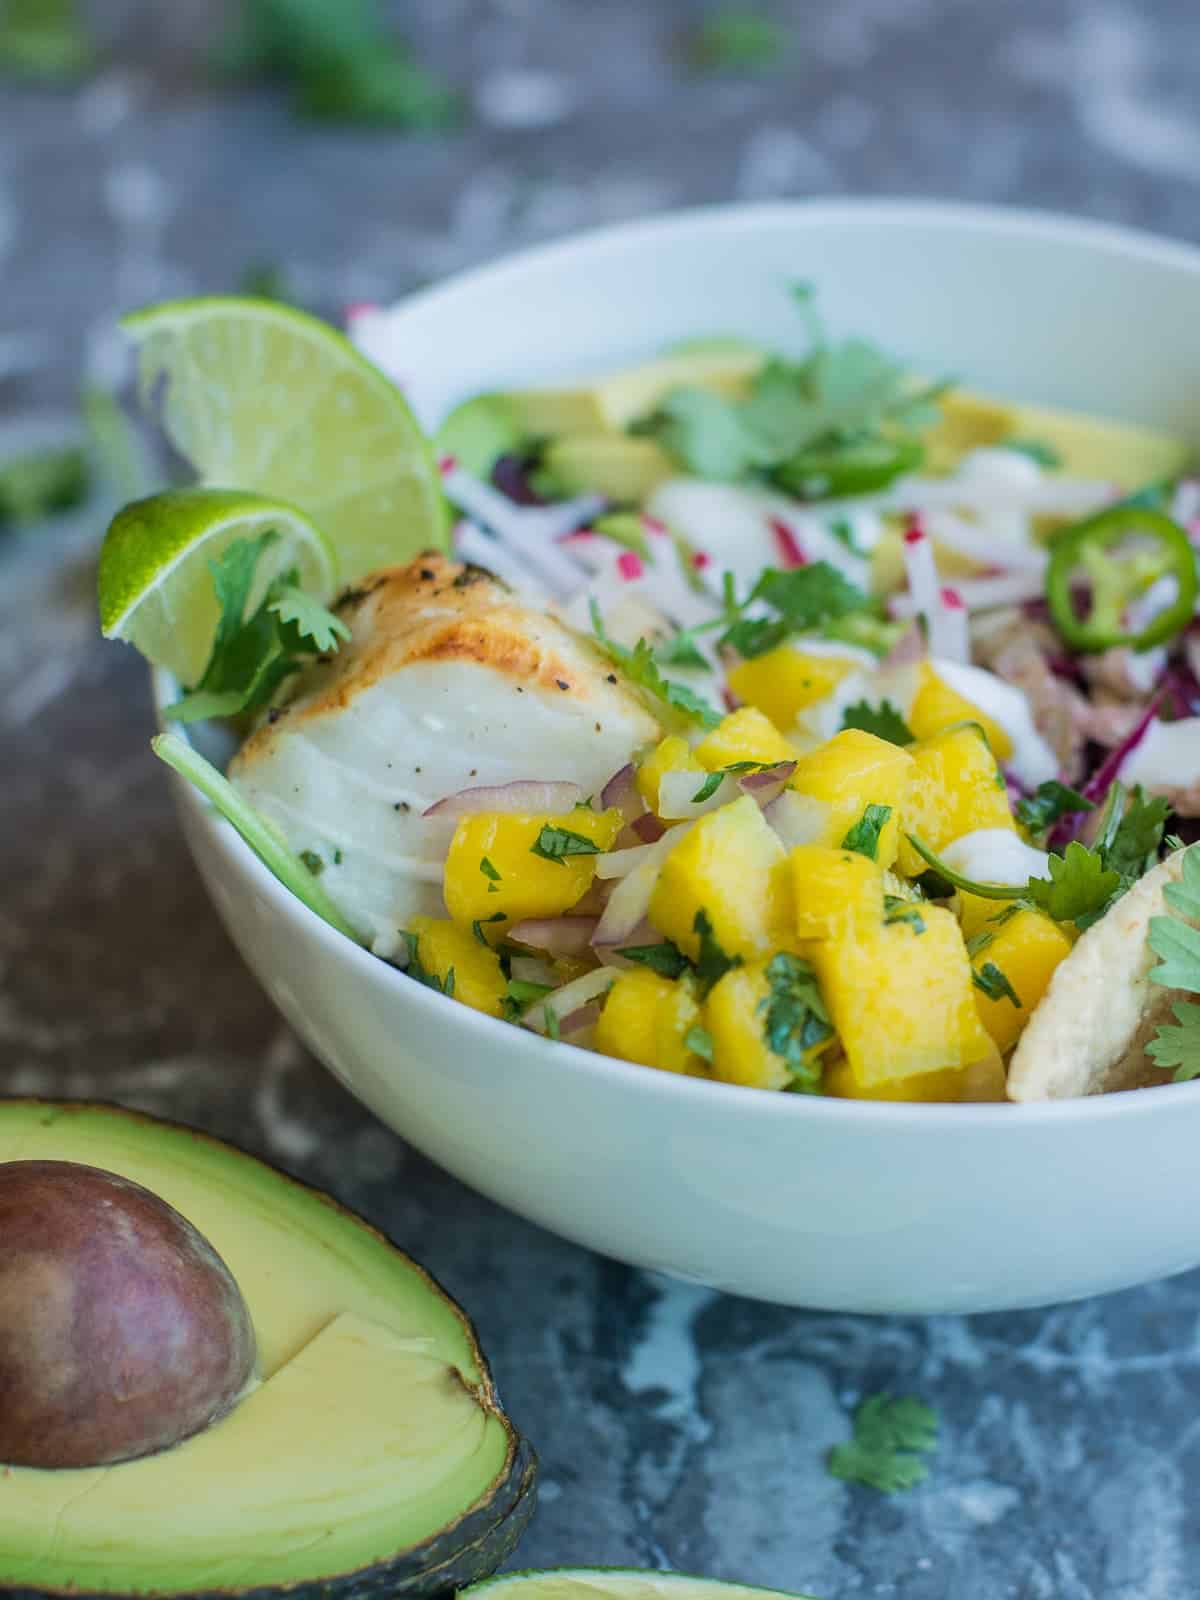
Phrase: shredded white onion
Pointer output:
(796, 818)
(558, 936)
(569, 998)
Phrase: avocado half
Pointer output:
(616, 1583)
(371, 1458)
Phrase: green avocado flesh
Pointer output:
(614, 1583)
(370, 1457)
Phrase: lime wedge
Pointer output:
(155, 588)
(260, 396)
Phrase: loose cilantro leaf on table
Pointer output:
(37, 483)
(994, 984)
(642, 670)
(666, 958)
(46, 40)
(890, 1436)
(1038, 812)
(555, 844)
(712, 962)
(883, 720)
(252, 655)
(863, 837)
(738, 41)
(795, 1019)
(1037, 450)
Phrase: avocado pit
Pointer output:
(122, 1331)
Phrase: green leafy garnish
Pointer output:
(642, 670)
(417, 970)
(712, 962)
(550, 1018)
(490, 873)
(883, 720)
(45, 40)
(1177, 945)
(738, 41)
(478, 925)
(681, 650)
(314, 862)
(37, 483)
(863, 837)
(803, 598)
(1138, 836)
(890, 1436)
(258, 833)
(523, 993)
(699, 1041)
(556, 844)
(665, 958)
(994, 984)
(708, 788)
(898, 909)
(341, 63)
(1038, 812)
(266, 280)
(252, 655)
(1178, 1044)
(795, 1020)
(1080, 886)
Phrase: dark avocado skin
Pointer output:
(463, 1553)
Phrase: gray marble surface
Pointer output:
(676, 1427)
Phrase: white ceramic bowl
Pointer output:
(853, 1206)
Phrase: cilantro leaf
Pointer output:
(665, 958)
(738, 41)
(897, 909)
(44, 39)
(1174, 940)
(37, 483)
(699, 1041)
(556, 844)
(1178, 1044)
(883, 720)
(479, 923)
(795, 1020)
(642, 670)
(863, 837)
(890, 1436)
(681, 650)
(705, 431)
(1038, 812)
(523, 993)
(994, 984)
(1134, 847)
(416, 969)
(712, 963)
(550, 1018)
(709, 787)
(1080, 886)
(490, 873)
(803, 598)
(309, 617)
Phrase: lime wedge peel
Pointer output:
(155, 589)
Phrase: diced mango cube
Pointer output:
(492, 865)
(647, 1018)
(466, 970)
(834, 891)
(671, 754)
(786, 681)
(1022, 952)
(731, 866)
(744, 735)
(957, 788)
(903, 1004)
(936, 707)
(851, 771)
(736, 1016)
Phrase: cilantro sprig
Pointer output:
(556, 844)
(803, 599)
(641, 668)
(890, 1437)
(993, 983)
(1051, 801)
(1175, 940)
(883, 720)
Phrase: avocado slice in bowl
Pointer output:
(368, 1455)
(616, 1583)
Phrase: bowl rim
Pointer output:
(1036, 224)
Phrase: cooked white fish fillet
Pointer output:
(448, 682)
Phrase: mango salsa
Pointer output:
(1014, 956)
(834, 891)
(736, 1013)
(936, 707)
(744, 735)
(957, 788)
(647, 1019)
(850, 772)
(493, 866)
(731, 866)
(671, 754)
(788, 680)
(443, 949)
(902, 1000)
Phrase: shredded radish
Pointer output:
(980, 594)
(472, 544)
(790, 553)
(537, 799)
(978, 542)
(558, 936)
(943, 609)
(569, 998)
(953, 633)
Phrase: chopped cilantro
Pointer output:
(480, 923)
(556, 844)
(665, 958)
(796, 1019)
(709, 787)
(416, 969)
(337, 858)
(802, 598)
(310, 619)
(313, 862)
(1176, 942)
(524, 993)
(712, 962)
(863, 837)
(897, 909)
(550, 1018)
(640, 667)
(699, 1041)
(994, 984)
(883, 720)
(490, 873)
(448, 985)
(1038, 812)
(890, 1436)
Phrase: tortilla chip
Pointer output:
(1090, 1031)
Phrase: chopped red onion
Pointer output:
(768, 783)
(586, 1017)
(621, 791)
(648, 828)
(537, 799)
(558, 936)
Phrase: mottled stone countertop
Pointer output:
(676, 1426)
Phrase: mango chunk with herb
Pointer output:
(523, 866)
(457, 963)
(766, 1032)
(937, 707)
(1014, 958)
(957, 788)
(730, 866)
(744, 735)
(848, 773)
(903, 1003)
(785, 681)
(671, 754)
(834, 891)
(647, 1018)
